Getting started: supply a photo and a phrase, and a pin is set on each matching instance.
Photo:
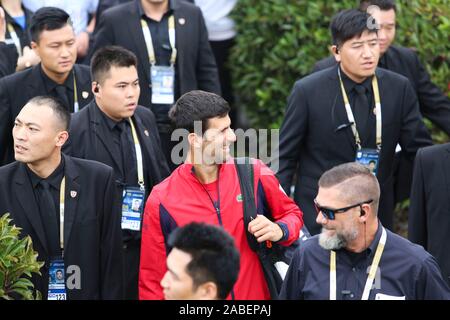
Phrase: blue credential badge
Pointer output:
(163, 78)
(57, 282)
(132, 208)
(368, 158)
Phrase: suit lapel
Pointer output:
(72, 194)
(339, 113)
(25, 194)
(181, 37)
(83, 86)
(36, 85)
(135, 30)
(102, 133)
(146, 141)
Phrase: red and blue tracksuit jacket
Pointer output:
(181, 199)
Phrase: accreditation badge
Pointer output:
(368, 158)
(163, 79)
(132, 208)
(57, 282)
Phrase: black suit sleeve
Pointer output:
(417, 221)
(5, 124)
(323, 64)
(292, 288)
(8, 59)
(414, 134)
(207, 74)
(434, 104)
(160, 158)
(103, 35)
(292, 132)
(111, 244)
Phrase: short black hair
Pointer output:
(57, 106)
(384, 5)
(110, 56)
(348, 24)
(47, 18)
(214, 255)
(198, 105)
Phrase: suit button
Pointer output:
(125, 246)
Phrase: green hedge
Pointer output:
(280, 40)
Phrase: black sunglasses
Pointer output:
(330, 213)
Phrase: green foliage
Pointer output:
(17, 263)
(280, 40)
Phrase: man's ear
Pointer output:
(365, 213)
(62, 138)
(194, 140)
(207, 291)
(336, 53)
(35, 46)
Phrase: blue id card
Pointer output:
(132, 208)
(369, 158)
(163, 78)
(56, 283)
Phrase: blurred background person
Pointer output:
(203, 263)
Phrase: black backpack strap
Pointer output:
(246, 179)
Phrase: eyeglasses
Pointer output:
(330, 213)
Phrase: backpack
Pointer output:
(274, 257)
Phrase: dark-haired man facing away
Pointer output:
(53, 40)
(332, 117)
(66, 206)
(203, 263)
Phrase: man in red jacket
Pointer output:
(206, 189)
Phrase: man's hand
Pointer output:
(28, 59)
(263, 229)
(2, 25)
(82, 44)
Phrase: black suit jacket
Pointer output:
(311, 143)
(17, 89)
(429, 214)
(8, 59)
(195, 66)
(92, 233)
(9, 53)
(433, 104)
(89, 140)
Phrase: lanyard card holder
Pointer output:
(368, 158)
(56, 284)
(163, 79)
(132, 208)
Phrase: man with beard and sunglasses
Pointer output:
(355, 257)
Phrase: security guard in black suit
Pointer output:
(429, 219)
(433, 104)
(349, 112)
(114, 130)
(53, 40)
(66, 205)
(171, 42)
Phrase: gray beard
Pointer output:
(337, 241)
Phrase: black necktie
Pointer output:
(361, 110)
(49, 217)
(128, 153)
(62, 95)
